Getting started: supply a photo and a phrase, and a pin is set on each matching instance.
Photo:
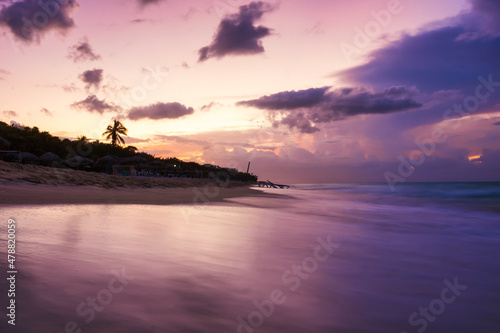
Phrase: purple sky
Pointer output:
(308, 91)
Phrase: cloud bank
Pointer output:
(449, 57)
(304, 108)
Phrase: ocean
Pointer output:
(336, 258)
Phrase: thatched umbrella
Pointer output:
(51, 159)
(108, 159)
(4, 144)
(11, 157)
(79, 162)
(136, 160)
(106, 163)
(29, 158)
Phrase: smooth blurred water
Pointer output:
(200, 268)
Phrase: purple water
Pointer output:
(218, 267)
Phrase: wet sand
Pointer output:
(19, 193)
(345, 261)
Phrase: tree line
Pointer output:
(30, 139)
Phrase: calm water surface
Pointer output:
(215, 268)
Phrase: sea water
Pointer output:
(318, 258)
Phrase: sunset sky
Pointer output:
(308, 91)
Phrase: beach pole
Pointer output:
(248, 168)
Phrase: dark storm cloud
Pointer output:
(289, 100)
(450, 57)
(94, 104)
(491, 7)
(350, 102)
(300, 121)
(92, 78)
(497, 123)
(445, 62)
(160, 111)
(30, 19)
(432, 61)
(304, 108)
(486, 14)
(237, 34)
(82, 51)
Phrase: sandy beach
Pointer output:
(330, 259)
(29, 194)
(29, 184)
(36, 174)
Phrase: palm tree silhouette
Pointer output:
(113, 132)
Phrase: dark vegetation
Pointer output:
(29, 145)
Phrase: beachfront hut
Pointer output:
(80, 162)
(29, 158)
(51, 159)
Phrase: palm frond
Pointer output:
(113, 132)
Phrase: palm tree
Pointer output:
(113, 132)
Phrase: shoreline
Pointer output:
(22, 193)
(22, 184)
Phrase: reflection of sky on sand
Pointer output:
(201, 274)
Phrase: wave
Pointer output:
(456, 190)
